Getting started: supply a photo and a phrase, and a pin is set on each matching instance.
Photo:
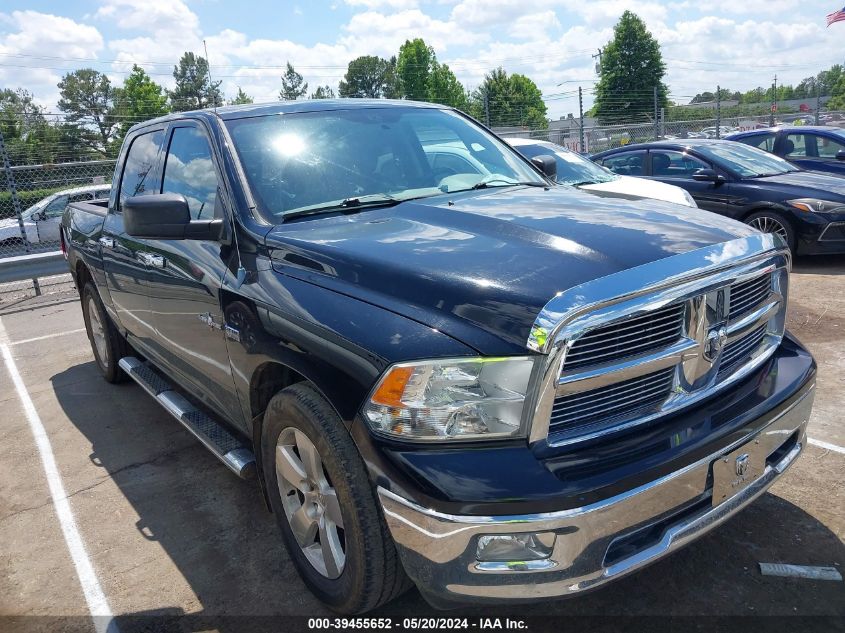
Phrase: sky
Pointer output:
(738, 44)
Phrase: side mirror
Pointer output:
(166, 216)
(708, 175)
(840, 155)
(39, 217)
(546, 164)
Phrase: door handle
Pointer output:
(106, 242)
(152, 259)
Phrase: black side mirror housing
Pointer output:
(546, 164)
(708, 175)
(39, 217)
(840, 155)
(166, 216)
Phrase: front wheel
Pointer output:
(771, 222)
(325, 505)
(107, 344)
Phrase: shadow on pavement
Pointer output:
(819, 265)
(217, 533)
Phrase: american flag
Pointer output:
(836, 16)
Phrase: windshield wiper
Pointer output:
(347, 205)
(484, 184)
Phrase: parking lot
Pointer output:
(169, 531)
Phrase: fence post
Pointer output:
(16, 203)
(656, 123)
(718, 111)
(818, 102)
(581, 147)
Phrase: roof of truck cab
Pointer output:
(230, 112)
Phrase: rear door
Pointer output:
(185, 276)
(123, 255)
(675, 167)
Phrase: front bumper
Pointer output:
(596, 543)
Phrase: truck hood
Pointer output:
(480, 266)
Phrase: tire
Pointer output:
(772, 222)
(360, 568)
(107, 344)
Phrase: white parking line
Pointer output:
(827, 445)
(46, 336)
(98, 606)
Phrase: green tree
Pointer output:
(631, 67)
(139, 99)
(444, 87)
(414, 67)
(293, 85)
(323, 92)
(24, 127)
(194, 88)
(241, 98)
(505, 100)
(87, 99)
(370, 77)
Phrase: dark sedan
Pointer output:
(820, 148)
(806, 208)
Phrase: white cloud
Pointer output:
(535, 25)
(35, 35)
(487, 12)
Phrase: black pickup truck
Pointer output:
(440, 368)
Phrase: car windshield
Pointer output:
(347, 159)
(572, 168)
(744, 160)
(840, 133)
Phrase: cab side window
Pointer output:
(138, 170)
(190, 171)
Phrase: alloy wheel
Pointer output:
(767, 224)
(310, 502)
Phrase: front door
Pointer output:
(185, 277)
(677, 168)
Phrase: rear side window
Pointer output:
(140, 162)
(626, 163)
(763, 141)
(190, 171)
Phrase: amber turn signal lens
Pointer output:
(392, 388)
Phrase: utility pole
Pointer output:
(774, 101)
(718, 111)
(656, 122)
(581, 147)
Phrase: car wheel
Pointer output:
(325, 505)
(771, 222)
(107, 344)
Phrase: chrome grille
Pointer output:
(628, 337)
(738, 351)
(747, 295)
(597, 408)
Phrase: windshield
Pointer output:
(347, 159)
(744, 160)
(572, 168)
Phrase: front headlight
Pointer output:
(451, 399)
(814, 205)
(690, 200)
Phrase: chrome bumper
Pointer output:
(439, 551)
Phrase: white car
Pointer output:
(41, 221)
(578, 171)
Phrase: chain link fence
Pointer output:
(32, 201)
(598, 138)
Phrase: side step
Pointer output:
(216, 438)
